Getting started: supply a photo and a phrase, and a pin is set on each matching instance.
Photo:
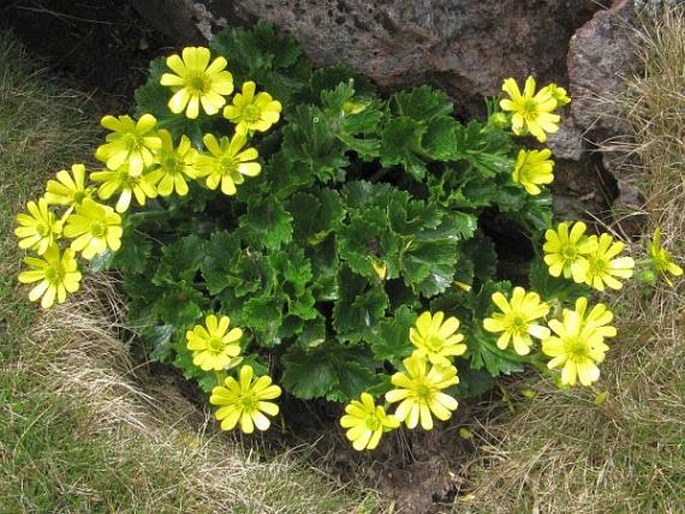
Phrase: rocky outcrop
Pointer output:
(463, 46)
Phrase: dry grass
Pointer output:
(179, 461)
(563, 452)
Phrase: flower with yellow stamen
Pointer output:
(366, 422)
(94, 228)
(253, 113)
(419, 392)
(661, 259)
(176, 165)
(120, 181)
(244, 401)
(517, 319)
(558, 93)
(131, 143)
(603, 265)
(57, 274)
(196, 82)
(531, 112)
(39, 229)
(69, 189)
(533, 168)
(577, 346)
(566, 253)
(214, 347)
(436, 339)
(227, 163)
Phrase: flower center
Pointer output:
(423, 391)
(43, 229)
(248, 401)
(79, 196)
(434, 343)
(171, 165)
(577, 348)
(599, 266)
(570, 252)
(530, 106)
(98, 228)
(215, 345)
(198, 84)
(518, 324)
(54, 275)
(251, 113)
(372, 422)
(229, 165)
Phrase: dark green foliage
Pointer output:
(367, 211)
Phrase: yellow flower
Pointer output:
(366, 422)
(516, 321)
(435, 340)
(602, 267)
(214, 347)
(120, 181)
(69, 189)
(244, 401)
(253, 113)
(226, 164)
(57, 275)
(176, 165)
(578, 345)
(567, 252)
(94, 228)
(195, 82)
(131, 144)
(661, 259)
(531, 112)
(533, 168)
(420, 392)
(39, 229)
(558, 93)
(598, 318)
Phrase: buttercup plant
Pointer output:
(308, 231)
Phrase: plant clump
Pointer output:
(340, 234)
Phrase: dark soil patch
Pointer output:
(101, 47)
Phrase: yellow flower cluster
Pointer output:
(141, 161)
(531, 113)
(241, 402)
(575, 341)
(418, 390)
(593, 260)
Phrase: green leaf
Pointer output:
(484, 353)
(264, 315)
(428, 261)
(390, 338)
(134, 254)
(421, 104)
(309, 140)
(179, 305)
(180, 260)
(331, 370)
(266, 224)
(440, 139)
(359, 307)
(217, 268)
(472, 382)
(401, 144)
(315, 214)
